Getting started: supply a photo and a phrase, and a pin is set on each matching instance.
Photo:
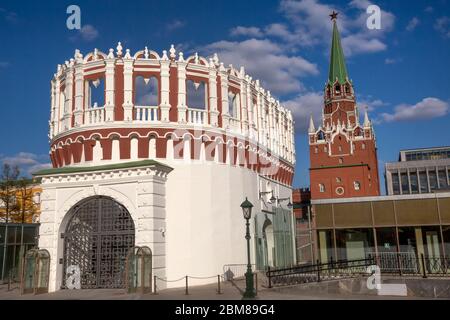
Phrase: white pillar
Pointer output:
(165, 90)
(224, 92)
(79, 88)
(181, 69)
(213, 95)
(68, 93)
(109, 90)
(128, 89)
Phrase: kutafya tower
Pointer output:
(343, 151)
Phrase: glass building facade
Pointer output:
(15, 241)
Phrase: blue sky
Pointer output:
(401, 72)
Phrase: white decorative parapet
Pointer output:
(95, 115)
(146, 114)
(234, 124)
(197, 116)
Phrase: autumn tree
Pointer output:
(8, 199)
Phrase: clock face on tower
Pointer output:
(340, 191)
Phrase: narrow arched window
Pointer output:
(196, 94)
(337, 89)
(146, 91)
(357, 185)
(321, 188)
(233, 104)
(347, 90)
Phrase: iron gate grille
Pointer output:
(97, 240)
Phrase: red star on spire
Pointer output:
(334, 15)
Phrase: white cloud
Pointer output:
(359, 43)
(27, 162)
(266, 61)
(392, 61)
(428, 108)
(89, 33)
(303, 106)
(412, 24)
(429, 9)
(252, 32)
(4, 64)
(370, 104)
(442, 25)
(175, 24)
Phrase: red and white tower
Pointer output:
(343, 153)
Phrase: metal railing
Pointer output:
(395, 263)
(318, 272)
(235, 271)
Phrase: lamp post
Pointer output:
(249, 288)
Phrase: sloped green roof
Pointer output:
(338, 68)
(124, 165)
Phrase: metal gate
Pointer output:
(96, 242)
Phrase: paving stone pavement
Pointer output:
(205, 292)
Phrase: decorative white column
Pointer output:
(67, 116)
(244, 116)
(128, 89)
(224, 92)
(52, 121)
(214, 113)
(181, 71)
(79, 81)
(109, 88)
(165, 87)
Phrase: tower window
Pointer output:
(337, 88)
(321, 188)
(316, 150)
(325, 149)
(357, 185)
(338, 180)
(340, 148)
(363, 146)
(341, 160)
(347, 89)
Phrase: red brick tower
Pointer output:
(343, 153)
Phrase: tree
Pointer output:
(7, 190)
(26, 207)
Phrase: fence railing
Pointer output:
(318, 272)
(401, 264)
(235, 271)
(146, 113)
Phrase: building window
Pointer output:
(338, 180)
(325, 149)
(443, 179)
(233, 104)
(341, 160)
(196, 94)
(414, 182)
(423, 182)
(363, 146)
(96, 93)
(433, 180)
(337, 88)
(316, 150)
(340, 148)
(321, 188)
(395, 184)
(357, 185)
(37, 198)
(146, 91)
(405, 184)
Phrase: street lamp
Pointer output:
(250, 288)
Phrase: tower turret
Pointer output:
(342, 152)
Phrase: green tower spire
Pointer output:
(337, 60)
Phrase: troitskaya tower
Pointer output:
(343, 153)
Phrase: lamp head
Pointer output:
(247, 209)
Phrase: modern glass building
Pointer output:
(419, 171)
(353, 228)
